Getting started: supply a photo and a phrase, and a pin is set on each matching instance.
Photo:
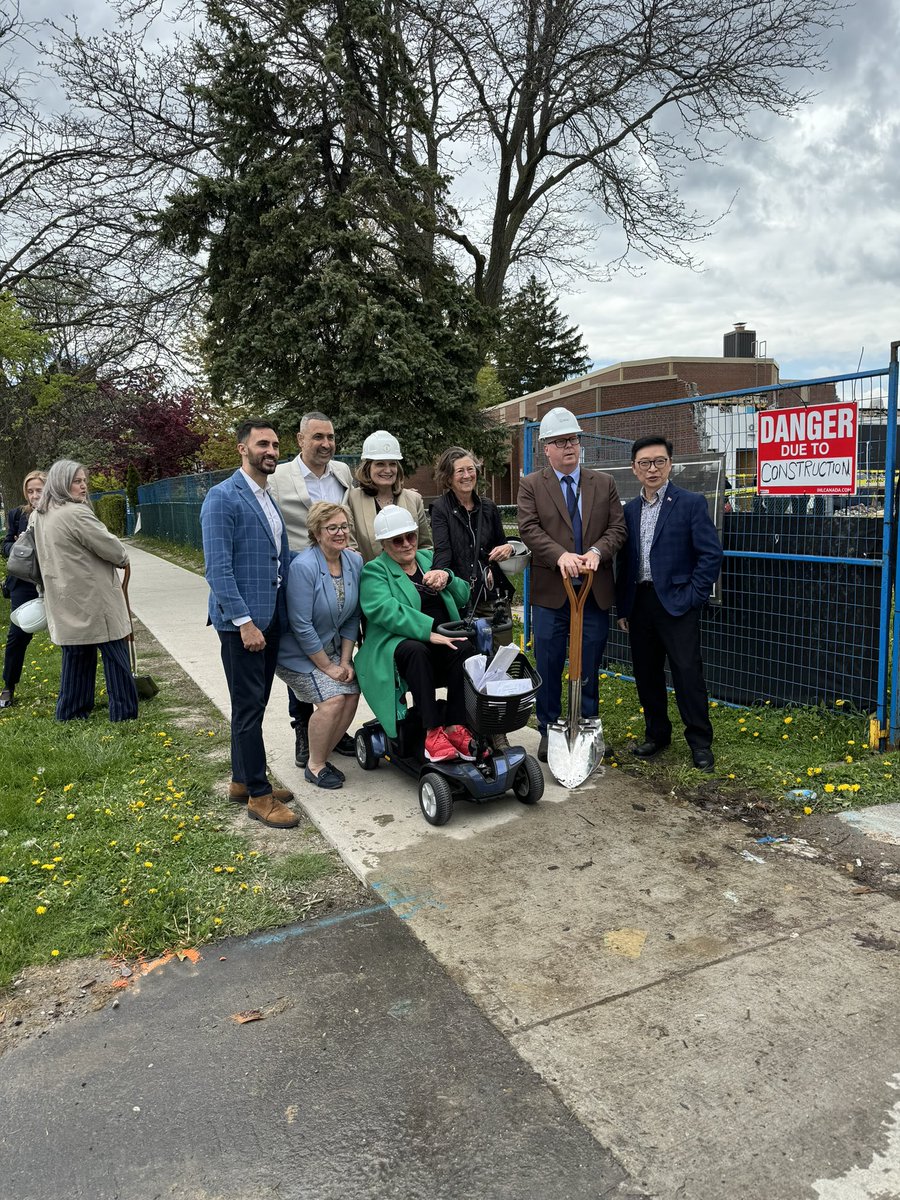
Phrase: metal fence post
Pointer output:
(527, 459)
(886, 652)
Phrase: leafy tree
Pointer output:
(536, 347)
(132, 483)
(325, 287)
(40, 403)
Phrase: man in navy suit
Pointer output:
(667, 570)
(247, 559)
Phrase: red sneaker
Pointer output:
(463, 740)
(438, 747)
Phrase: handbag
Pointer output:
(23, 559)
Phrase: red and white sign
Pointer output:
(807, 451)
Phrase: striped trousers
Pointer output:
(79, 675)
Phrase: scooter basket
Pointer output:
(501, 714)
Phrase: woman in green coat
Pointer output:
(404, 600)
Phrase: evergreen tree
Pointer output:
(325, 287)
(535, 347)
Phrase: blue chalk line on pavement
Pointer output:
(292, 931)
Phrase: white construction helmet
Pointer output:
(518, 560)
(394, 520)
(31, 617)
(381, 446)
(558, 422)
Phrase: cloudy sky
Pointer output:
(809, 255)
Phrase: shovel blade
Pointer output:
(146, 686)
(573, 758)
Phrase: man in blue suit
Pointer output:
(247, 559)
(667, 570)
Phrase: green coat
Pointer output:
(393, 611)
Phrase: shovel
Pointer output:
(145, 684)
(575, 746)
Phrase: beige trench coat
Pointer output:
(78, 557)
(362, 521)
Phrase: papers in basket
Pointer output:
(494, 680)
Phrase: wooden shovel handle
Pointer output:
(576, 619)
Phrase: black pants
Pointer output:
(299, 710)
(424, 667)
(17, 639)
(249, 675)
(656, 635)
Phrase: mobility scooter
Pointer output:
(494, 772)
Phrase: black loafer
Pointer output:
(346, 746)
(340, 774)
(703, 760)
(542, 748)
(649, 749)
(326, 778)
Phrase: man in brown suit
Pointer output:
(571, 520)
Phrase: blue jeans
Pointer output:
(551, 640)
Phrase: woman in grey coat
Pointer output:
(86, 609)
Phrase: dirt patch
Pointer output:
(42, 997)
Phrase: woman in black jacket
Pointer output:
(19, 590)
(468, 533)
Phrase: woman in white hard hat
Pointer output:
(18, 591)
(404, 599)
(86, 609)
(380, 478)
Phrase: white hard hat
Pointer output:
(381, 446)
(518, 560)
(558, 423)
(31, 617)
(394, 520)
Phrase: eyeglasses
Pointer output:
(402, 538)
(564, 443)
(644, 464)
(333, 529)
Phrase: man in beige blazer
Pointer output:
(296, 485)
(571, 520)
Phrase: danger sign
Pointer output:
(807, 451)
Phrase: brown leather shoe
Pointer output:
(238, 792)
(271, 812)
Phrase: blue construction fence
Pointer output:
(802, 613)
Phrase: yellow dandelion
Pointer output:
(70, 816)
(788, 720)
(68, 787)
(54, 953)
(807, 810)
(41, 909)
(829, 787)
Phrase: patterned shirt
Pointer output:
(650, 510)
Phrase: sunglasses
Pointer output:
(402, 538)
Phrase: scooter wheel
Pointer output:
(435, 799)
(528, 784)
(364, 754)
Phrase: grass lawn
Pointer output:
(766, 751)
(117, 839)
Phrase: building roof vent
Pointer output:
(740, 342)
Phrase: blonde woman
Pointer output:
(19, 591)
(86, 609)
(380, 478)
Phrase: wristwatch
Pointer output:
(594, 550)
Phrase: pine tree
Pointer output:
(325, 287)
(535, 347)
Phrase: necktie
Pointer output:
(572, 505)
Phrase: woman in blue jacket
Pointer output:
(315, 656)
(19, 590)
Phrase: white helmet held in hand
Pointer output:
(394, 520)
(31, 617)
(558, 422)
(518, 560)
(381, 446)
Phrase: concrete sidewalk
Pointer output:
(724, 1024)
